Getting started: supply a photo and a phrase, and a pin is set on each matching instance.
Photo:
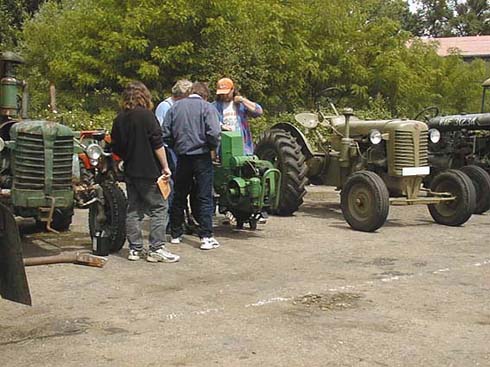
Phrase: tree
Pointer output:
(472, 18)
(445, 18)
(13, 13)
(282, 53)
(11, 17)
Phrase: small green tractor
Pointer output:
(463, 143)
(245, 185)
(375, 164)
(46, 170)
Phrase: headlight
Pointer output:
(375, 137)
(434, 136)
(75, 169)
(94, 151)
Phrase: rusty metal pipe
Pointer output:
(81, 258)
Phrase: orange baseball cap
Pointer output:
(224, 86)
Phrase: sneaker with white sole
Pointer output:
(176, 241)
(162, 255)
(209, 243)
(229, 219)
(135, 255)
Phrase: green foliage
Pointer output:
(445, 18)
(281, 53)
(11, 17)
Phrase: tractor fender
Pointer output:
(13, 280)
(299, 136)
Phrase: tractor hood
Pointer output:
(364, 127)
(476, 121)
(40, 127)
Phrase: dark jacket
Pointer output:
(136, 134)
(191, 126)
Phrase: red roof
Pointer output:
(472, 46)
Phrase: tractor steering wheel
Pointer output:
(434, 111)
(332, 94)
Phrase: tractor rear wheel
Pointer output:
(481, 181)
(281, 148)
(115, 212)
(459, 210)
(365, 201)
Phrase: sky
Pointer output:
(413, 5)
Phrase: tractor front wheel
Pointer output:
(62, 219)
(115, 213)
(365, 201)
(459, 210)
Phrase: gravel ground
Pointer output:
(300, 291)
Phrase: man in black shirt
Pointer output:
(137, 139)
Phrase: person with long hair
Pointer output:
(137, 139)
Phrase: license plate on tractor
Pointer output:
(415, 171)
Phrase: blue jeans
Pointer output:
(144, 197)
(197, 168)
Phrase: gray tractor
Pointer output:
(374, 163)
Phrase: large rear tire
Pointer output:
(365, 201)
(115, 211)
(481, 181)
(281, 148)
(458, 211)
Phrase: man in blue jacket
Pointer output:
(191, 127)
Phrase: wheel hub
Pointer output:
(360, 202)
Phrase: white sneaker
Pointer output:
(176, 241)
(229, 219)
(162, 255)
(262, 220)
(135, 255)
(209, 243)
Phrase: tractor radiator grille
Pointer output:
(31, 162)
(410, 149)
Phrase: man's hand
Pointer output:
(166, 173)
(226, 128)
(238, 99)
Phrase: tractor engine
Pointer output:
(246, 185)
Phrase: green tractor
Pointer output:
(375, 164)
(245, 185)
(464, 144)
(42, 177)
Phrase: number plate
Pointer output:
(415, 171)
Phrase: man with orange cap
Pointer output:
(234, 110)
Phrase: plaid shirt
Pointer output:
(242, 113)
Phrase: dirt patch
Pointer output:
(329, 302)
(51, 329)
(382, 261)
(393, 273)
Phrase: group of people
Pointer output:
(178, 143)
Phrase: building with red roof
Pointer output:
(469, 48)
